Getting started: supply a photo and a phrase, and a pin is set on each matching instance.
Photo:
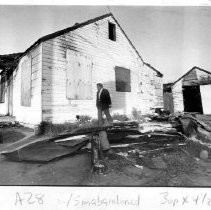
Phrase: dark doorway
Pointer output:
(192, 99)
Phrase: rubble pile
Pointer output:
(171, 143)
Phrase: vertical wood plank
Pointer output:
(26, 82)
(79, 76)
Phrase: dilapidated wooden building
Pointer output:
(190, 93)
(55, 78)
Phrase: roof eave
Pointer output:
(159, 74)
(63, 31)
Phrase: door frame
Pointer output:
(10, 95)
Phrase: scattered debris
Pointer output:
(173, 146)
(41, 151)
(126, 145)
(100, 167)
(156, 127)
(199, 122)
(72, 138)
(160, 115)
(159, 163)
(124, 154)
(138, 166)
(204, 154)
(165, 148)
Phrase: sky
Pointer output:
(172, 39)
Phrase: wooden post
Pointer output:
(98, 164)
(104, 140)
(94, 149)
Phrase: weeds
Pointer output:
(83, 119)
(48, 128)
(120, 117)
(137, 115)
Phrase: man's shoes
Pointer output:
(108, 152)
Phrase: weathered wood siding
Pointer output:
(26, 72)
(178, 97)
(4, 105)
(92, 41)
(206, 98)
(203, 78)
(158, 100)
(10, 95)
(150, 90)
(168, 102)
(79, 76)
(29, 114)
(190, 79)
(196, 77)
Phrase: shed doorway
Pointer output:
(192, 99)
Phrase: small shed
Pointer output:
(55, 78)
(190, 93)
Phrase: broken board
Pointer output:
(43, 151)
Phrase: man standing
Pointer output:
(103, 104)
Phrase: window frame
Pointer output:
(127, 88)
(112, 31)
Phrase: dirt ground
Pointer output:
(178, 167)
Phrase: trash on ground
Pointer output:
(42, 151)
(138, 166)
(124, 154)
(204, 154)
(162, 144)
(72, 138)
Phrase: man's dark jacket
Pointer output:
(104, 101)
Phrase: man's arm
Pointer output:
(108, 97)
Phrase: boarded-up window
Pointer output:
(122, 79)
(26, 82)
(79, 76)
(2, 90)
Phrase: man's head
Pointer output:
(99, 86)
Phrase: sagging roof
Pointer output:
(195, 67)
(9, 61)
(79, 25)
